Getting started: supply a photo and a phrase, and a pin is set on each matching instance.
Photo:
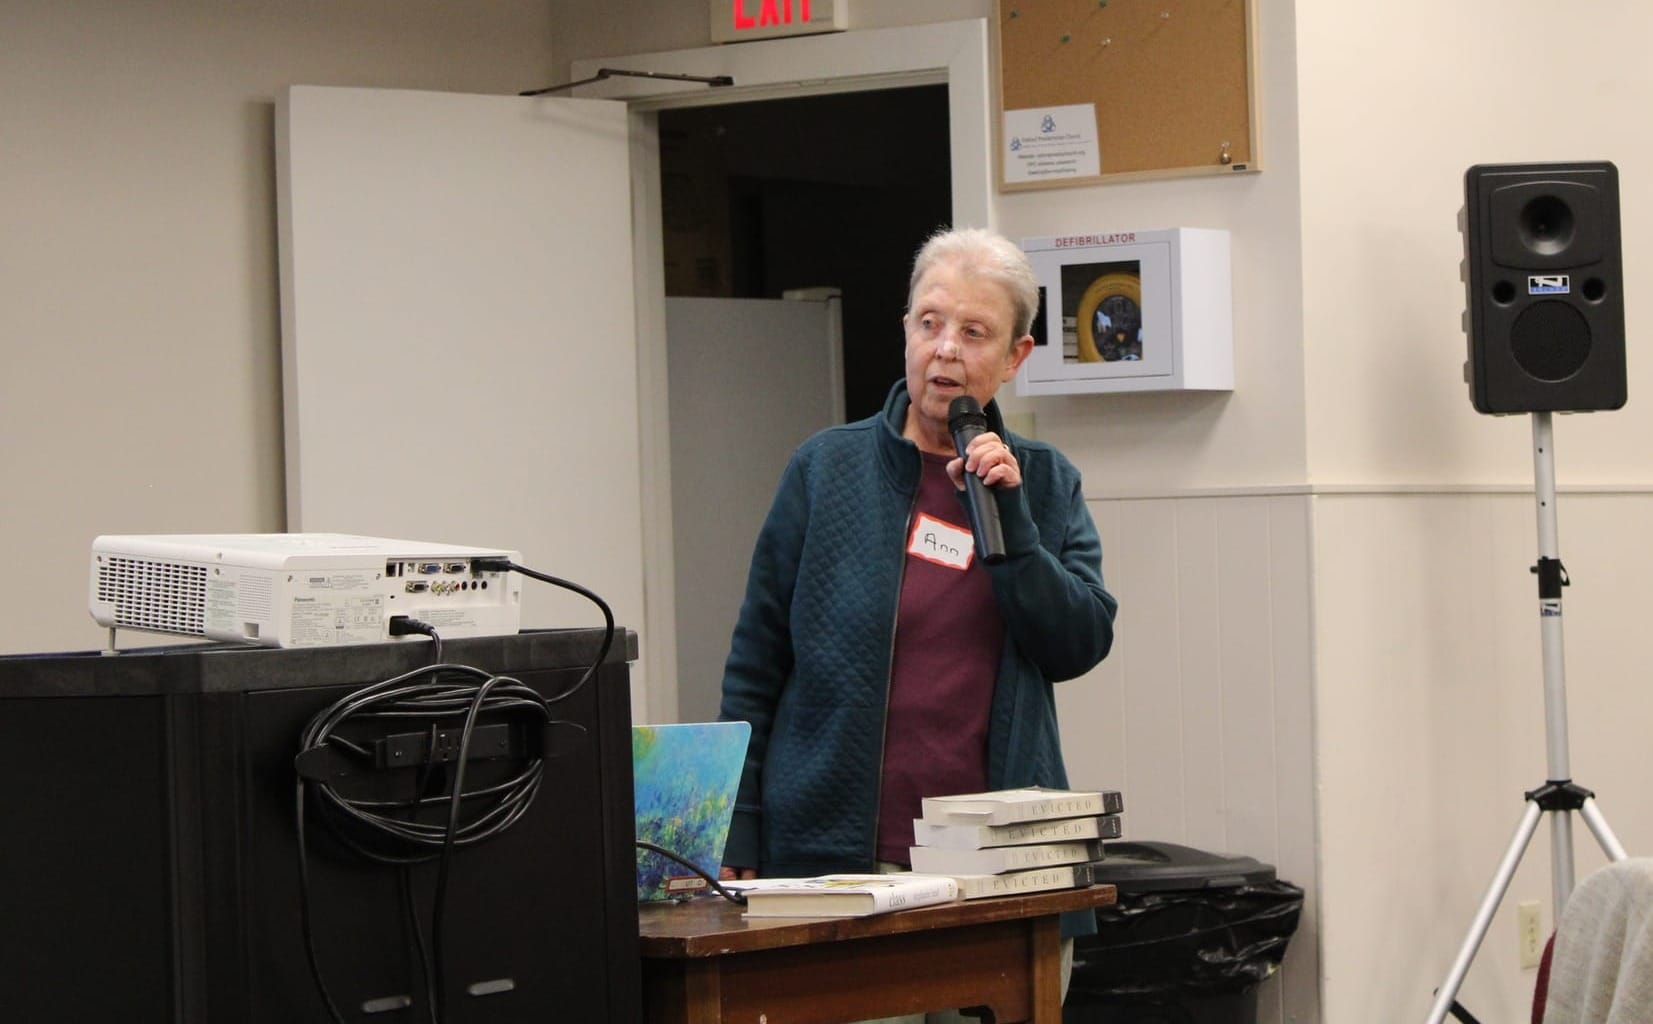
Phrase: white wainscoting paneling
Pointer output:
(1203, 713)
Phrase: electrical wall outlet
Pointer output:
(1529, 922)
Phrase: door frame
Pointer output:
(954, 53)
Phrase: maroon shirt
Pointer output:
(948, 636)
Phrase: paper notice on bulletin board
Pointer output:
(1051, 143)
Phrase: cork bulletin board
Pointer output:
(1096, 90)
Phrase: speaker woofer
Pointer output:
(1550, 340)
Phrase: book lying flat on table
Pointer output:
(975, 837)
(996, 859)
(1015, 883)
(846, 895)
(1007, 806)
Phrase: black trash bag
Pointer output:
(1191, 936)
(1219, 940)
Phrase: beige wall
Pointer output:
(1429, 682)
(1396, 101)
(140, 381)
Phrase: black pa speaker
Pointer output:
(1544, 284)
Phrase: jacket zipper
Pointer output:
(889, 670)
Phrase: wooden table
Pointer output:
(703, 963)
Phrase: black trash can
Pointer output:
(1188, 942)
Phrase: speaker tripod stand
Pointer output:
(1559, 796)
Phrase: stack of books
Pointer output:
(1015, 840)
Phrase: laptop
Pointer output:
(685, 777)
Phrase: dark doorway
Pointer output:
(833, 190)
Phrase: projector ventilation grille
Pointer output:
(164, 597)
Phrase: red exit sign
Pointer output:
(734, 20)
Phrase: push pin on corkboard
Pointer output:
(1225, 157)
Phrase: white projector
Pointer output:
(299, 589)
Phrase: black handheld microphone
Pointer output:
(966, 421)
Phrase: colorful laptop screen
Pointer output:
(685, 777)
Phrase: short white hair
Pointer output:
(991, 255)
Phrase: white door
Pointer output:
(459, 350)
(749, 380)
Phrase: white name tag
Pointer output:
(941, 542)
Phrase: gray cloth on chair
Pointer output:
(1601, 971)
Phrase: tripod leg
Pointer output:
(1561, 862)
(1483, 917)
(1609, 842)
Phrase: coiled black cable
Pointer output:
(390, 831)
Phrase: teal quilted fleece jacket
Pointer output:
(810, 657)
